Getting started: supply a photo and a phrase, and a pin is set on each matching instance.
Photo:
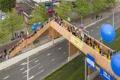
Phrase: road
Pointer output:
(94, 29)
(40, 64)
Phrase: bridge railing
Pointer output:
(75, 36)
(24, 42)
(92, 42)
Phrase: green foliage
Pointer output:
(111, 2)
(64, 9)
(7, 5)
(12, 23)
(39, 14)
(74, 70)
(83, 7)
(115, 45)
(99, 5)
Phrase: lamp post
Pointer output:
(85, 69)
(113, 17)
(114, 14)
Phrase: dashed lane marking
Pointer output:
(36, 61)
(24, 63)
(60, 48)
(48, 54)
(31, 77)
(40, 67)
(53, 59)
(22, 68)
(6, 77)
(31, 68)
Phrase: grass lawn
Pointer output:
(74, 70)
(115, 45)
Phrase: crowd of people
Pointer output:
(25, 37)
(4, 54)
(17, 35)
(95, 44)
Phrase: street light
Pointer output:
(114, 15)
(113, 18)
(85, 69)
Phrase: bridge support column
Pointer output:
(73, 51)
(91, 74)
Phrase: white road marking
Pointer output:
(59, 48)
(36, 74)
(6, 77)
(53, 59)
(42, 70)
(39, 72)
(24, 63)
(24, 71)
(36, 61)
(31, 68)
(33, 59)
(31, 77)
(34, 66)
(40, 67)
(48, 54)
(22, 68)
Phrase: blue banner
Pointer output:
(106, 75)
(91, 61)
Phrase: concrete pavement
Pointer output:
(40, 64)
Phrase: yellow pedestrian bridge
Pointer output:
(77, 37)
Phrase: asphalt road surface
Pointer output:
(40, 64)
(94, 30)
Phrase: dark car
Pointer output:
(49, 4)
(51, 11)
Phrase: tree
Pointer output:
(99, 5)
(83, 7)
(11, 23)
(110, 2)
(7, 5)
(39, 14)
(64, 9)
(102, 4)
(14, 20)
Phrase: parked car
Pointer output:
(51, 11)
